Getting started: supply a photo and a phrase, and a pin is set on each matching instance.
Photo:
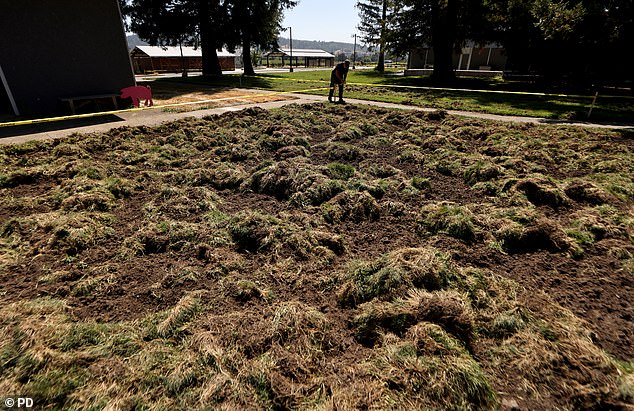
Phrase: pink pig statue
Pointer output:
(138, 93)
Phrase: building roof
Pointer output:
(301, 53)
(159, 51)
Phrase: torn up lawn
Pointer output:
(320, 257)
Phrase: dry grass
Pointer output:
(177, 94)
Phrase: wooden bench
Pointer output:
(154, 72)
(84, 100)
(522, 76)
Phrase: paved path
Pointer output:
(45, 131)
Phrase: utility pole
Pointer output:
(290, 31)
(354, 52)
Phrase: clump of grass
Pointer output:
(119, 187)
(587, 192)
(94, 200)
(350, 133)
(181, 203)
(619, 185)
(20, 177)
(376, 188)
(340, 171)
(291, 151)
(541, 191)
(89, 285)
(253, 231)
(293, 177)
(421, 183)
(93, 173)
(481, 171)
(333, 242)
(74, 232)
(317, 193)
(537, 349)
(383, 170)
(221, 176)
(447, 162)
(451, 377)
(298, 323)
(445, 308)
(350, 205)
(69, 149)
(410, 153)
(279, 139)
(245, 290)
(180, 314)
(506, 324)
(543, 234)
(169, 235)
(447, 218)
(393, 274)
(256, 232)
(343, 152)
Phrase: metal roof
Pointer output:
(158, 51)
(317, 53)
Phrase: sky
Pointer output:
(326, 20)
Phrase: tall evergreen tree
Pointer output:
(376, 17)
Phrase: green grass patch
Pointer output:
(370, 85)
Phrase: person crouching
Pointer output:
(338, 76)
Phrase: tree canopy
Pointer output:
(561, 39)
(210, 24)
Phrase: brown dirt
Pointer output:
(174, 93)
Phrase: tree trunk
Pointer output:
(246, 56)
(380, 66)
(211, 63)
(443, 38)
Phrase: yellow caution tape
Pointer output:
(440, 88)
(129, 110)
(105, 113)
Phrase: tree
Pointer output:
(573, 41)
(444, 24)
(170, 23)
(256, 22)
(376, 16)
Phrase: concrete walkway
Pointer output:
(151, 117)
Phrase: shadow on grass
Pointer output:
(611, 111)
(23, 130)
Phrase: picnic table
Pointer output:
(84, 100)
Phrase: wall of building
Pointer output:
(62, 48)
(480, 59)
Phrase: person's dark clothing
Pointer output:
(342, 70)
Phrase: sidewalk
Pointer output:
(151, 117)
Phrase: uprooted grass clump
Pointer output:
(395, 273)
(319, 257)
(448, 219)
